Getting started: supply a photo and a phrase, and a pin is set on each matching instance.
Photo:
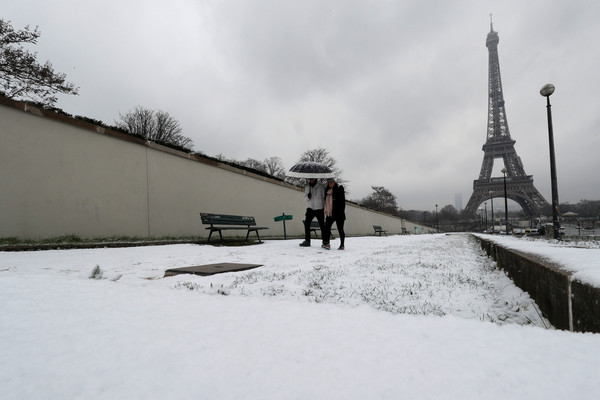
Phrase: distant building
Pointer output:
(458, 202)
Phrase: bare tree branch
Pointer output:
(21, 76)
(155, 126)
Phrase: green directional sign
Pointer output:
(283, 217)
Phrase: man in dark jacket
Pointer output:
(314, 194)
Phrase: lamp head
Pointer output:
(547, 90)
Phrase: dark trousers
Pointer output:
(310, 214)
(340, 227)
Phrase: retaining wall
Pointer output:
(64, 176)
(567, 302)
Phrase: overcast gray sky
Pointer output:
(395, 90)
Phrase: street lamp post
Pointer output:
(486, 223)
(492, 204)
(480, 218)
(505, 202)
(437, 219)
(546, 91)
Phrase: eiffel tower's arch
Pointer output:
(499, 144)
(520, 190)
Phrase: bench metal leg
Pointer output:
(257, 235)
(211, 232)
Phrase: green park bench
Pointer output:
(222, 222)
(379, 231)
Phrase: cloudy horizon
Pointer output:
(395, 91)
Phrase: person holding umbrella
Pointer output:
(314, 195)
(335, 210)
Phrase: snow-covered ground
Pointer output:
(399, 317)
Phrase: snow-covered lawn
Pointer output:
(398, 317)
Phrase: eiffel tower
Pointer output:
(519, 185)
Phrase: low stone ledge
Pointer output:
(568, 303)
(585, 305)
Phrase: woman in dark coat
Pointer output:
(335, 210)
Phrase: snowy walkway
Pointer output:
(396, 317)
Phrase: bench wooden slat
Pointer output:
(223, 219)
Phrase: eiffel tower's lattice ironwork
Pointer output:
(519, 185)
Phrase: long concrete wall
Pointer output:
(62, 176)
(568, 303)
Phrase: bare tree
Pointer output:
(274, 166)
(21, 76)
(381, 200)
(448, 214)
(168, 130)
(155, 126)
(254, 164)
(322, 156)
(140, 121)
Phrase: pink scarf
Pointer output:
(329, 203)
